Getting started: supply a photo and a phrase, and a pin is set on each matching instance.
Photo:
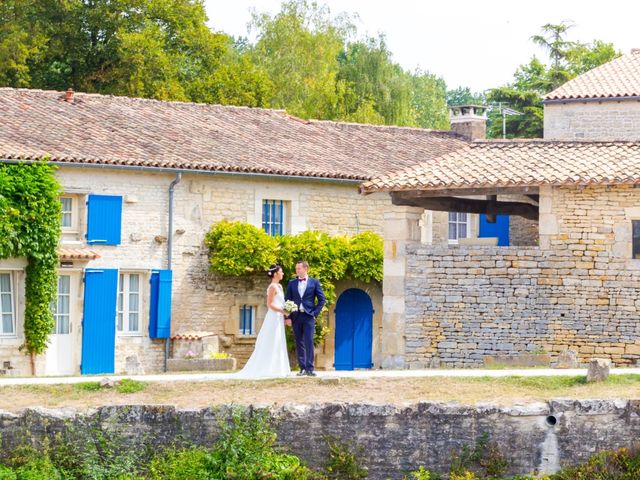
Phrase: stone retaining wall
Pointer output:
(536, 438)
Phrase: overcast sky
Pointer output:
(474, 43)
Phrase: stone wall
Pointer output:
(535, 438)
(577, 291)
(592, 120)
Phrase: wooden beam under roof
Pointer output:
(468, 205)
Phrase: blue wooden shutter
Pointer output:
(99, 321)
(104, 222)
(160, 309)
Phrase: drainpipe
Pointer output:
(172, 187)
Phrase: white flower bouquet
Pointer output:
(290, 306)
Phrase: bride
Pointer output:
(269, 358)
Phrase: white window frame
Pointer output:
(124, 290)
(56, 313)
(253, 311)
(73, 212)
(12, 292)
(457, 222)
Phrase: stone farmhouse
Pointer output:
(491, 248)
(572, 293)
(144, 180)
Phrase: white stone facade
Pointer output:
(202, 301)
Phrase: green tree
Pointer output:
(22, 41)
(298, 48)
(533, 80)
(430, 101)
(145, 48)
(553, 41)
(464, 96)
(371, 82)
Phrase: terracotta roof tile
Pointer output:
(519, 163)
(101, 129)
(191, 335)
(76, 254)
(618, 78)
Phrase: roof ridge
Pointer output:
(387, 127)
(542, 141)
(126, 98)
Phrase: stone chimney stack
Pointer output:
(469, 121)
(68, 95)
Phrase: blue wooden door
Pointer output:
(354, 330)
(498, 229)
(99, 321)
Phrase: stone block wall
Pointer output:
(578, 291)
(534, 439)
(593, 120)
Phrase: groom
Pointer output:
(304, 291)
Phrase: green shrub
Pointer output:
(6, 473)
(344, 462)
(127, 385)
(483, 460)
(621, 464)
(87, 386)
(246, 451)
(186, 464)
(238, 249)
(422, 474)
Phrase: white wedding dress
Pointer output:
(269, 358)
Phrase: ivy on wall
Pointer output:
(30, 227)
(238, 248)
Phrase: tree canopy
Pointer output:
(303, 59)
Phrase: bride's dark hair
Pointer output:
(273, 269)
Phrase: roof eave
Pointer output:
(592, 99)
(201, 171)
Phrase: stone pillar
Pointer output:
(401, 226)
(548, 221)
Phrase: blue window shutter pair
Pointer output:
(160, 308)
(104, 222)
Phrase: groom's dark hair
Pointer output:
(303, 263)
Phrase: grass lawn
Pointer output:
(499, 391)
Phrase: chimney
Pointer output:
(469, 121)
(68, 95)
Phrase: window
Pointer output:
(636, 238)
(247, 320)
(458, 226)
(6, 305)
(7, 326)
(128, 309)
(274, 215)
(67, 212)
(62, 305)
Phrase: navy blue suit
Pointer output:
(304, 323)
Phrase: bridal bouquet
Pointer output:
(290, 306)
